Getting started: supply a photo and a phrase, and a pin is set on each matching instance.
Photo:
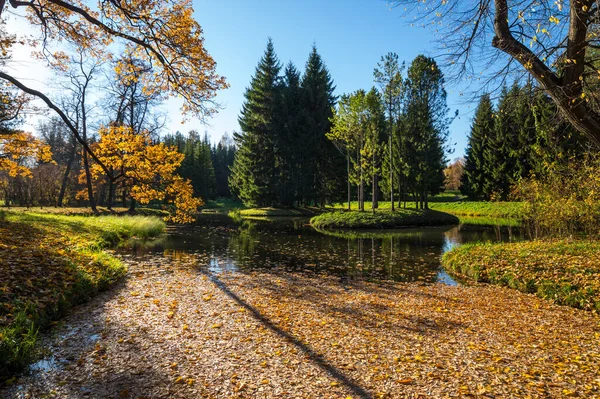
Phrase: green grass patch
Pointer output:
(274, 212)
(86, 211)
(221, 205)
(382, 219)
(50, 262)
(487, 221)
(498, 210)
(564, 271)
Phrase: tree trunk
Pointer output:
(349, 195)
(375, 193)
(65, 179)
(111, 193)
(132, 206)
(88, 180)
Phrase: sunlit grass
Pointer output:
(381, 219)
(564, 271)
(49, 262)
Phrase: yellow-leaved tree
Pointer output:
(161, 36)
(148, 171)
(18, 150)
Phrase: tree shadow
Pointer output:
(315, 357)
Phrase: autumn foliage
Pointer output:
(149, 171)
(18, 150)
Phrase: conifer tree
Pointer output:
(426, 123)
(253, 176)
(289, 138)
(322, 165)
(476, 171)
(500, 155)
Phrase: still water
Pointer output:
(405, 255)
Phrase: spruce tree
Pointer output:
(476, 171)
(253, 175)
(288, 140)
(426, 123)
(500, 155)
(322, 165)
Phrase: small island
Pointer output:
(383, 219)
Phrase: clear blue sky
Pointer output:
(351, 36)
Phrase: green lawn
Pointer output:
(460, 208)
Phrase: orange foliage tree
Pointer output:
(18, 150)
(162, 35)
(149, 171)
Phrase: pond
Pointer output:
(291, 244)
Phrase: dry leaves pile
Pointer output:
(171, 331)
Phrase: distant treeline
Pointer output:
(62, 182)
(520, 136)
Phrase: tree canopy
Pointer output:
(553, 42)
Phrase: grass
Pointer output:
(274, 212)
(509, 210)
(564, 271)
(488, 221)
(50, 262)
(86, 211)
(221, 205)
(381, 219)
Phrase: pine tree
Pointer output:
(288, 140)
(476, 171)
(253, 177)
(204, 172)
(223, 154)
(426, 123)
(500, 155)
(322, 165)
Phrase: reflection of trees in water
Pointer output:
(403, 255)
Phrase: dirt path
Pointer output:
(170, 331)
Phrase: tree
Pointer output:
(454, 173)
(253, 176)
(148, 170)
(388, 75)
(476, 170)
(289, 138)
(322, 163)
(223, 154)
(18, 150)
(426, 123)
(162, 35)
(553, 42)
(373, 147)
(64, 149)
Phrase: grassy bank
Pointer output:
(382, 219)
(566, 272)
(499, 210)
(86, 211)
(274, 212)
(50, 262)
(221, 205)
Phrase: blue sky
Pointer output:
(351, 36)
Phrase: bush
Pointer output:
(564, 202)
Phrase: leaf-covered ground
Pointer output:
(171, 331)
(49, 262)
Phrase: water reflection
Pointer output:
(292, 244)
